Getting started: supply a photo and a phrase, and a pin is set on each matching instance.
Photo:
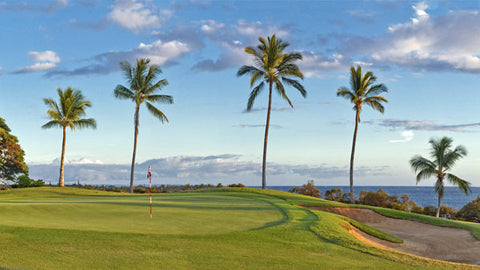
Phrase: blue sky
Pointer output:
(427, 53)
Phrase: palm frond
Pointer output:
(165, 99)
(375, 103)
(254, 94)
(248, 70)
(463, 185)
(153, 88)
(51, 124)
(345, 93)
(84, 123)
(419, 163)
(121, 92)
(295, 84)
(281, 91)
(156, 112)
(375, 90)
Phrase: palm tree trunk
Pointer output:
(267, 125)
(352, 200)
(132, 169)
(61, 181)
(440, 195)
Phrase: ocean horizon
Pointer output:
(422, 195)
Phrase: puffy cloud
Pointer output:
(447, 42)
(313, 63)
(407, 136)
(159, 52)
(43, 61)
(133, 15)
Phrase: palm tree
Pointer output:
(67, 113)
(273, 67)
(443, 159)
(141, 89)
(362, 91)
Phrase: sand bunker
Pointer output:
(441, 243)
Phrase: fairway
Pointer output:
(67, 228)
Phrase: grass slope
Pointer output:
(66, 228)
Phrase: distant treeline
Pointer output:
(470, 212)
(155, 189)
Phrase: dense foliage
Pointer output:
(11, 154)
(471, 211)
(308, 189)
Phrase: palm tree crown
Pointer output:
(142, 86)
(363, 90)
(443, 158)
(69, 111)
(274, 67)
(141, 89)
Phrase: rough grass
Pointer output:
(66, 228)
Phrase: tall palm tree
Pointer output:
(273, 67)
(363, 90)
(141, 89)
(67, 113)
(443, 159)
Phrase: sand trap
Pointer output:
(441, 243)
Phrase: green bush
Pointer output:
(335, 194)
(471, 211)
(24, 181)
(308, 189)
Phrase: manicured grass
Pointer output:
(66, 228)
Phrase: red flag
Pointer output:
(149, 172)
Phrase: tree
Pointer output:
(363, 90)
(141, 89)
(11, 154)
(273, 67)
(67, 112)
(443, 159)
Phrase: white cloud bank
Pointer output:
(44, 61)
(226, 168)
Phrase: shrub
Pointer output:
(335, 194)
(308, 189)
(471, 211)
(430, 210)
(236, 185)
(24, 181)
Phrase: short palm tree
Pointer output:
(363, 90)
(67, 113)
(443, 159)
(142, 86)
(273, 67)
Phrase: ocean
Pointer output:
(422, 195)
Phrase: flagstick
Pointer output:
(149, 175)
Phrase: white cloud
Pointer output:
(43, 61)
(134, 16)
(447, 42)
(258, 29)
(211, 26)
(407, 136)
(159, 53)
(313, 63)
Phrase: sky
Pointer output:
(427, 54)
